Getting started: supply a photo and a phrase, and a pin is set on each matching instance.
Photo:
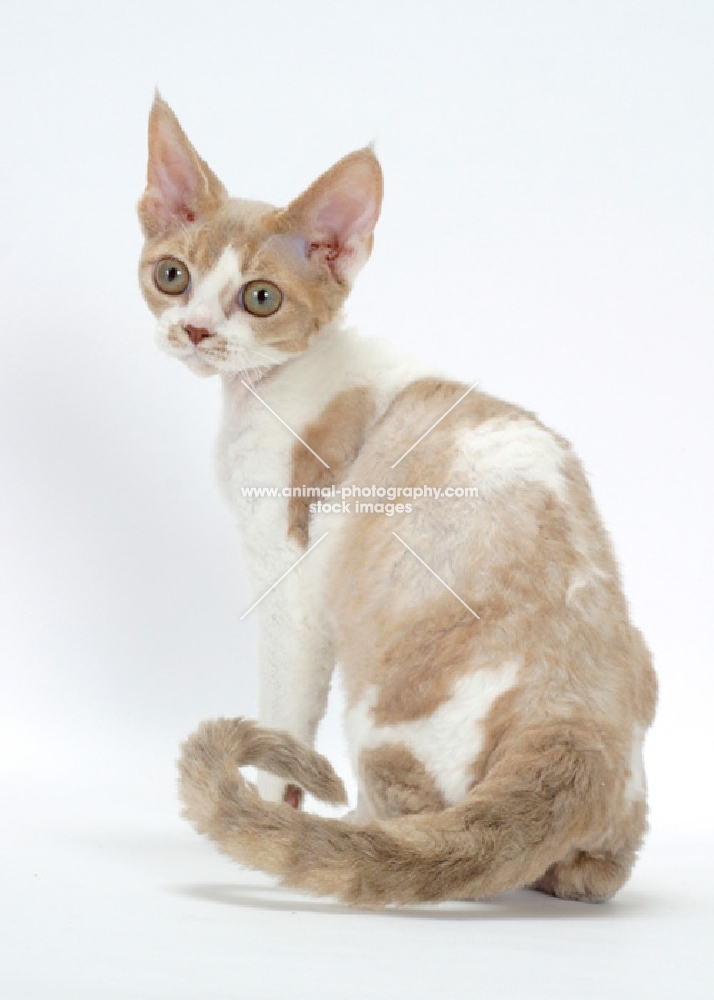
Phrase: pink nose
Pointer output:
(197, 333)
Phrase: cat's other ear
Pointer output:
(180, 186)
(337, 214)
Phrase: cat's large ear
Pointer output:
(180, 186)
(337, 214)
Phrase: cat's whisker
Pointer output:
(260, 355)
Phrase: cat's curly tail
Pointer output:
(537, 799)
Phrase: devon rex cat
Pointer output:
(439, 544)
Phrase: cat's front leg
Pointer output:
(296, 662)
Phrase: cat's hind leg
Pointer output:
(589, 878)
(394, 783)
(595, 876)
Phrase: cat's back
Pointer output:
(496, 560)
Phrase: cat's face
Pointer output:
(239, 286)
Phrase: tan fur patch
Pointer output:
(337, 436)
(395, 783)
(436, 649)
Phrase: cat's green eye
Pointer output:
(171, 276)
(261, 298)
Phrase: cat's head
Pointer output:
(239, 286)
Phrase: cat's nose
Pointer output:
(197, 333)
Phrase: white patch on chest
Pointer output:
(446, 742)
(503, 451)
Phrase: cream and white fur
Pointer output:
(296, 654)
(499, 740)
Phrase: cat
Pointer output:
(497, 694)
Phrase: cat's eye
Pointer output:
(171, 276)
(261, 298)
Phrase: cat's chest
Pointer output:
(256, 451)
(253, 451)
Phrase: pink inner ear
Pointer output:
(172, 178)
(345, 216)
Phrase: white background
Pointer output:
(548, 228)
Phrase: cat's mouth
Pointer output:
(198, 365)
(224, 362)
(214, 355)
(252, 375)
(204, 362)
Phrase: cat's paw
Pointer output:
(293, 796)
(275, 789)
